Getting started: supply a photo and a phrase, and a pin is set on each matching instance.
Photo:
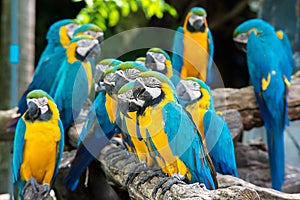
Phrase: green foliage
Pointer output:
(107, 13)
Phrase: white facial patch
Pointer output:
(241, 38)
(71, 28)
(42, 103)
(110, 79)
(153, 88)
(159, 59)
(84, 46)
(193, 18)
(192, 88)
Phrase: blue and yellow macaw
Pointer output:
(213, 127)
(58, 37)
(38, 144)
(90, 29)
(171, 136)
(159, 60)
(96, 109)
(72, 88)
(270, 70)
(193, 47)
(107, 114)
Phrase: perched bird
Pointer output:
(213, 127)
(159, 60)
(193, 47)
(38, 144)
(58, 37)
(74, 85)
(171, 136)
(98, 106)
(270, 69)
(90, 29)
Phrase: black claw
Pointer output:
(115, 154)
(150, 176)
(118, 158)
(35, 187)
(134, 172)
(169, 185)
(131, 159)
(112, 150)
(159, 185)
(46, 190)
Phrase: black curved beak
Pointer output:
(109, 88)
(137, 89)
(150, 62)
(181, 92)
(240, 42)
(199, 25)
(33, 111)
(120, 81)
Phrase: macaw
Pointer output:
(270, 70)
(96, 109)
(213, 127)
(38, 144)
(90, 29)
(107, 116)
(193, 47)
(75, 83)
(58, 37)
(171, 135)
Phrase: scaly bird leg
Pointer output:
(46, 190)
(32, 181)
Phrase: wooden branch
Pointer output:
(117, 164)
(244, 101)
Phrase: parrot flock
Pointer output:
(160, 107)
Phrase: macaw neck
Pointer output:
(63, 35)
(169, 73)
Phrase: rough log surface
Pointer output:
(244, 101)
(117, 165)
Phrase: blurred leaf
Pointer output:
(133, 5)
(107, 12)
(113, 18)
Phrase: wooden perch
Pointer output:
(244, 101)
(117, 165)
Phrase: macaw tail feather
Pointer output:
(276, 157)
(88, 151)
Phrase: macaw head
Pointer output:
(109, 79)
(158, 60)
(251, 28)
(100, 69)
(152, 87)
(61, 32)
(126, 72)
(90, 29)
(38, 103)
(83, 47)
(193, 90)
(126, 101)
(141, 60)
(196, 20)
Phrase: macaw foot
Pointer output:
(150, 176)
(46, 190)
(117, 156)
(131, 159)
(35, 187)
(118, 141)
(112, 150)
(174, 180)
(135, 171)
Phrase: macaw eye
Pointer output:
(43, 101)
